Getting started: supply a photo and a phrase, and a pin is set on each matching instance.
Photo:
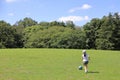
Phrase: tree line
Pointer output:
(101, 33)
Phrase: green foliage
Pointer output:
(91, 32)
(116, 31)
(3, 23)
(44, 24)
(70, 24)
(26, 22)
(103, 44)
(54, 37)
(1, 45)
(54, 23)
(8, 36)
(101, 33)
(108, 34)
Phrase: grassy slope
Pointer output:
(57, 64)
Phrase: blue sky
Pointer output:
(79, 11)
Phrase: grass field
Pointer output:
(57, 64)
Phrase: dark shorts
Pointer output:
(85, 62)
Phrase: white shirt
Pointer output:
(85, 58)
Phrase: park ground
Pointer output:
(58, 64)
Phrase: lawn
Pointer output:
(57, 64)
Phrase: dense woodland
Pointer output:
(101, 33)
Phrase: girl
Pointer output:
(85, 59)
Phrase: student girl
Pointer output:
(85, 59)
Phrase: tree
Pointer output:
(106, 35)
(44, 24)
(116, 31)
(7, 35)
(70, 24)
(3, 23)
(103, 33)
(54, 37)
(91, 32)
(55, 23)
(26, 22)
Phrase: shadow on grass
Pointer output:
(94, 72)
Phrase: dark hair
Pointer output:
(84, 54)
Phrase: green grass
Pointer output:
(57, 64)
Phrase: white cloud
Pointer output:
(83, 7)
(74, 18)
(10, 14)
(10, 1)
(86, 6)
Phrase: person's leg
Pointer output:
(84, 63)
(85, 66)
(86, 70)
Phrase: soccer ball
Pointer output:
(80, 67)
